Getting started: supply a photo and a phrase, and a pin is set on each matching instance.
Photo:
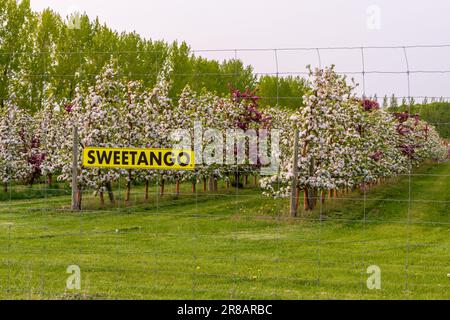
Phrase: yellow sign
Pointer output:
(133, 158)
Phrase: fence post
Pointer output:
(75, 204)
(294, 176)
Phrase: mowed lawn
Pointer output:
(234, 244)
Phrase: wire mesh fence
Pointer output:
(219, 240)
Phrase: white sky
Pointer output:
(245, 24)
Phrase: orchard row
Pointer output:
(345, 142)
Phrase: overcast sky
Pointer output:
(247, 24)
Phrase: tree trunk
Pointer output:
(193, 186)
(49, 179)
(161, 192)
(255, 180)
(102, 199)
(5, 187)
(313, 199)
(177, 187)
(245, 179)
(79, 198)
(211, 183)
(216, 188)
(297, 198)
(362, 187)
(110, 192)
(236, 179)
(323, 196)
(305, 199)
(146, 190)
(204, 184)
(309, 199)
(127, 196)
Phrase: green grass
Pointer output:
(42, 190)
(233, 245)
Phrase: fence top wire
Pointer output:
(236, 50)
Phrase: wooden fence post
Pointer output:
(75, 204)
(294, 176)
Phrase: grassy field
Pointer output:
(234, 244)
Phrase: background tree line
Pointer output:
(38, 49)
